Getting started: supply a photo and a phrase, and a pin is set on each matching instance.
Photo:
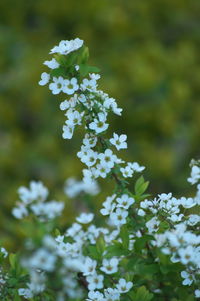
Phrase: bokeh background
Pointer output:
(148, 52)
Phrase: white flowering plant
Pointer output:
(142, 248)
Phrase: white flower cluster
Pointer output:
(47, 258)
(195, 175)
(117, 208)
(168, 207)
(180, 242)
(86, 253)
(73, 187)
(33, 200)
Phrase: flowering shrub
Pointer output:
(142, 248)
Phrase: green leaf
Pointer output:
(141, 186)
(100, 244)
(116, 249)
(93, 252)
(140, 294)
(140, 242)
(124, 236)
(12, 260)
(60, 71)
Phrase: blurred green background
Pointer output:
(148, 52)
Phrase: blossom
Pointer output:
(108, 205)
(125, 201)
(45, 77)
(43, 259)
(57, 85)
(197, 293)
(65, 47)
(20, 211)
(37, 191)
(52, 64)
(153, 224)
(85, 218)
(95, 282)
(70, 86)
(99, 125)
(107, 158)
(89, 85)
(195, 175)
(123, 286)
(3, 252)
(110, 266)
(188, 279)
(89, 266)
(127, 171)
(111, 294)
(67, 132)
(95, 296)
(136, 167)
(119, 141)
(102, 170)
(74, 118)
(119, 216)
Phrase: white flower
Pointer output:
(153, 225)
(45, 77)
(89, 140)
(110, 103)
(108, 205)
(65, 47)
(119, 217)
(57, 85)
(141, 212)
(186, 254)
(107, 158)
(87, 156)
(52, 64)
(25, 292)
(94, 76)
(123, 286)
(110, 266)
(70, 86)
(99, 125)
(197, 293)
(125, 201)
(119, 141)
(20, 211)
(4, 252)
(101, 171)
(68, 132)
(188, 279)
(95, 282)
(43, 259)
(111, 294)
(37, 191)
(136, 167)
(127, 171)
(89, 85)
(71, 103)
(85, 218)
(89, 267)
(95, 296)
(74, 118)
(48, 210)
(73, 230)
(195, 175)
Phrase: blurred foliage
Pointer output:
(148, 52)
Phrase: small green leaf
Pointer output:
(12, 260)
(141, 186)
(141, 294)
(124, 236)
